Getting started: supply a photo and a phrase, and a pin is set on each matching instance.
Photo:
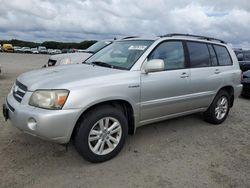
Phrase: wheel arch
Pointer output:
(121, 104)
(230, 90)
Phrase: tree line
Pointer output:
(50, 44)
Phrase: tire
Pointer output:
(94, 130)
(211, 115)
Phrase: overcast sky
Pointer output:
(77, 20)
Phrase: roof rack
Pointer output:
(129, 37)
(194, 36)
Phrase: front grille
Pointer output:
(19, 91)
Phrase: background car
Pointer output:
(76, 58)
(26, 50)
(17, 49)
(7, 48)
(244, 59)
(64, 50)
(246, 84)
(42, 50)
(34, 51)
(50, 51)
(57, 51)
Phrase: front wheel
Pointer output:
(219, 109)
(102, 134)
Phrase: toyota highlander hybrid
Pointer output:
(130, 83)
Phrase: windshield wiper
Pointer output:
(100, 63)
(103, 64)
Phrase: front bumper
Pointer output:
(52, 125)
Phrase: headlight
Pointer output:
(49, 99)
(65, 61)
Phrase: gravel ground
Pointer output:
(183, 152)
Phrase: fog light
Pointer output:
(32, 124)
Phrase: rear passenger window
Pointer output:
(171, 53)
(213, 57)
(223, 55)
(199, 55)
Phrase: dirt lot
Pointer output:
(184, 152)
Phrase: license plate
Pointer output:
(5, 112)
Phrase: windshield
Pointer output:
(120, 54)
(98, 46)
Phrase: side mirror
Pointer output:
(154, 65)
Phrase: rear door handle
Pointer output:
(217, 71)
(184, 75)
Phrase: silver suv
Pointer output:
(130, 83)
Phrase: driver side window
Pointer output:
(172, 53)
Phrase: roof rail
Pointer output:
(129, 37)
(194, 36)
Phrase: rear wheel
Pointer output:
(102, 134)
(219, 109)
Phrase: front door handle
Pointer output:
(184, 75)
(217, 71)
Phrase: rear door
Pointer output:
(205, 73)
(228, 74)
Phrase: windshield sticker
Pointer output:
(137, 47)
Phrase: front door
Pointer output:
(167, 92)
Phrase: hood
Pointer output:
(67, 77)
(75, 57)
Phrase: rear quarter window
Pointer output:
(223, 56)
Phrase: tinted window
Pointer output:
(223, 55)
(171, 53)
(199, 55)
(213, 57)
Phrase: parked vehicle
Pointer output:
(76, 58)
(244, 65)
(0, 69)
(130, 83)
(34, 51)
(246, 83)
(0, 48)
(26, 50)
(57, 51)
(42, 50)
(7, 48)
(50, 51)
(64, 50)
(244, 59)
(17, 49)
(72, 50)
